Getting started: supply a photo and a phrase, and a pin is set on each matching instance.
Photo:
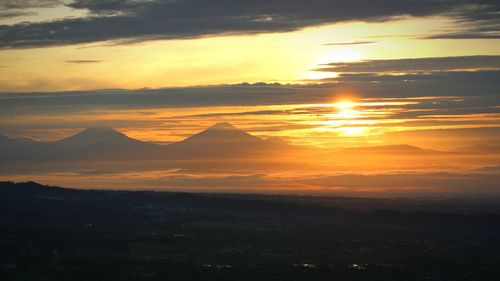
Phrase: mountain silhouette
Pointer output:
(386, 149)
(222, 140)
(4, 139)
(479, 149)
(92, 144)
(98, 136)
(221, 134)
(219, 141)
(105, 144)
(20, 148)
(7, 140)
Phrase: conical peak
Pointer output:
(221, 133)
(222, 126)
(97, 135)
(99, 130)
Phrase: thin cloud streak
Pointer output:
(83, 61)
(350, 43)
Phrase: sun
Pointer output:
(346, 110)
(343, 105)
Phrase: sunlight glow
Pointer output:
(344, 105)
(353, 131)
(317, 75)
(348, 114)
(340, 56)
(346, 110)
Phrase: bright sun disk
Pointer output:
(344, 105)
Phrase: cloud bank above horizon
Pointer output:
(134, 21)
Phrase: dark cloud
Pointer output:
(24, 4)
(83, 61)
(438, 76)
(16, 8)
(461, 83)
(417, 65)
(155, 19)
(350, 43)
(170, 97)
(244, 113)
(437, 84)
(12, 14)
(477, 21)
(464, 84)
(468, 34)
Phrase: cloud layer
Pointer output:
(418, 65)
(156, 19)
(466, 84)
(15, 8)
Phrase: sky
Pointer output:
(320, 73)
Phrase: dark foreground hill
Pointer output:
(50, 233)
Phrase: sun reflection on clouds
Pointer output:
(318, 75)
(353, 131)
(344, 55)
(346, 120)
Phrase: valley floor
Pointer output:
(50, 233)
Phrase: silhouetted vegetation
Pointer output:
(50, 233)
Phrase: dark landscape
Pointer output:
(53, 233)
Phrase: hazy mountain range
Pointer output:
(220, 141)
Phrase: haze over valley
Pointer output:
(222, 158)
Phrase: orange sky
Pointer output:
(423, 74)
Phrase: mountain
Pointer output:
(30, 186)
(224, 140)
(221, 134)
(387, 149)
(13, 141)
(25, 140)
(398, 152)
(3, 139)
(19, 148)
(105, 144)
(98, 136)
(479, 149)
(96, 144)
(221, 140)
(8, 147)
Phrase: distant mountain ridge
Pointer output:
(479, 149)
(92, 136)
(222, 140)
(389, 149)
(28, 186)
(219, 141)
